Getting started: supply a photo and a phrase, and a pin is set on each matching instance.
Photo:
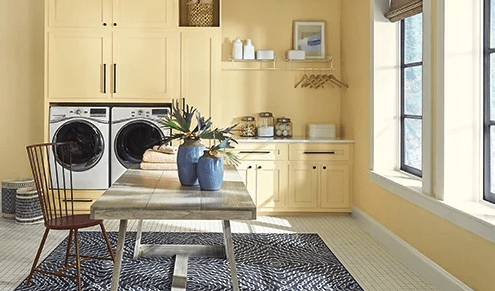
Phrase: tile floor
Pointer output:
(366, 259)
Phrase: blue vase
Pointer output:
(210, 172)
(188, 155)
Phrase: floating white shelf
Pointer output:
(260, 68)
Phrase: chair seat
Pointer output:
(72, 221)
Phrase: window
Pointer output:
(411, 94)
(489, 102)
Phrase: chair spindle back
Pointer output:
(51, 165)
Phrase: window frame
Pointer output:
(403, 116)
(487, 122)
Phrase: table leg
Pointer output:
(138, 238)
(229, 249)
(118, 257)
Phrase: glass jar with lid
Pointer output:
(283, 128)
(265, 124)
(248, 126)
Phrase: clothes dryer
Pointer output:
(88, 128)
(133, 131)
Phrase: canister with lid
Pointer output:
(283, 128)
(265, 124)
(248, 126)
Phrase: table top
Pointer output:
(157, 194)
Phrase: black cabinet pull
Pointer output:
(324, 167)
(314, 167)
(254, 152)
(259, 167)
(77, 200)
(114, 78)
(319, 153)
(249, 167)
(104, 78)
(114, 24)
(104, 24)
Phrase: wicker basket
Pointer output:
(200, 14)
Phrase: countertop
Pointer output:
(295, 139)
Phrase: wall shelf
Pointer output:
(261, 63)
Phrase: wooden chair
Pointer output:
(53, 182)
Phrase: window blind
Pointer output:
(400, 9)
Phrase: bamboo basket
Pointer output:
(200, 14)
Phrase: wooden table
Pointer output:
(155, 194)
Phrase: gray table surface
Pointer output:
(157, 194)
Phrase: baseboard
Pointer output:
(415, 260)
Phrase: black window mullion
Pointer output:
(403, 115)
(487, 122)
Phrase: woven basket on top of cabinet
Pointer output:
(200, 14)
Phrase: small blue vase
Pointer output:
(210, 172)
(188, 155)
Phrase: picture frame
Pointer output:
(309, 36)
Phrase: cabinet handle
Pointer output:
(254, 152)
(319, 153)
(259, 167)
(114, 24)
(314, 167)
(104, 24)
(324, 167)
(104, 78)
(249, 167)
(77, 200)
(114, 78)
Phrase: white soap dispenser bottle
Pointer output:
(249, 50)
(237, 49)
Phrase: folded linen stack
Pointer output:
(160, 158)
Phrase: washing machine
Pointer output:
(133, 131)
(89, 130)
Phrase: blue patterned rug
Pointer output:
(264, 262)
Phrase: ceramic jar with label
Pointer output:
(265, 125)
(283, 128)
(248, 126)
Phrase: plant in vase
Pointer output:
(191, 149)
(210, 164)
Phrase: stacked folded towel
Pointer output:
(160, 158)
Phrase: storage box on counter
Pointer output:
(321, 130)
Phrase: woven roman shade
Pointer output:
(400, 9)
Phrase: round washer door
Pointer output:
(87, 145)
(133, 139)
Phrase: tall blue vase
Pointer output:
(188, 155)
(210, 172)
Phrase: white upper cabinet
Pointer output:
(113, 13)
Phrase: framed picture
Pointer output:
(309, 36)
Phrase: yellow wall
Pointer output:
(269, 25)
(462, 253)
(21, 84)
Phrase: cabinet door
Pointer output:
(78, 13)
(247, 170)
(78, 64)
(271, 185)
(145, 13)
(145, 65)
(303, 185)
(334, 186)
(200, 67)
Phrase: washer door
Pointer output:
(87, 145)
(133, 139)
